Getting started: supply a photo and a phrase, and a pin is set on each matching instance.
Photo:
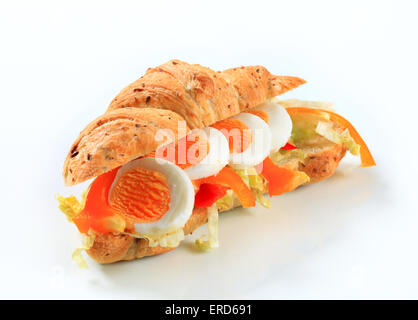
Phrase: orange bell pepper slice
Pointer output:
(230, 178)
(97, 214)
(365, 154)
(281, 180)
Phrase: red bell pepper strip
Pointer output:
(208, 194)
(289, 147)
(228, 177)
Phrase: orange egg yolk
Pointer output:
(238, 135)
(141, 195)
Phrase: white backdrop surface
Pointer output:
(351, 236)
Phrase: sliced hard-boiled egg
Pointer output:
(155, 195)
(260, 145)
(278, 120)
(216, 158)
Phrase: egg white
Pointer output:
(279, 122)
(181, 200)
(260, 146)
(215, 160)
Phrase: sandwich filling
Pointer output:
(236, 159)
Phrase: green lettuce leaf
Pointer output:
(326, 130)
(213, 239)
(256, 183)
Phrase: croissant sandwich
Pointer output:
(184, 142)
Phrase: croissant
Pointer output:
(177, 92)
(167, 94)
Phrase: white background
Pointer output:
(352, 236)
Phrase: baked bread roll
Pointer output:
(167, 94)
(180, 97)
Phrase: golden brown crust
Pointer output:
(109, 248)
(319, 166)
(167, 94)
(112, 248)
(116, 138)
(200, 95)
